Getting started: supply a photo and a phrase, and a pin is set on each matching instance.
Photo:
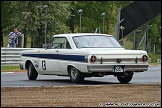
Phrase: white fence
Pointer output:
(11, 56)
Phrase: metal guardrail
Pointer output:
(12, 56)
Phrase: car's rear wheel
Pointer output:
(126, 78)
(31, 72)
(75, 75)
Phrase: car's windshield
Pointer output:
(97, 41)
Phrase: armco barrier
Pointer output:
(11, 56)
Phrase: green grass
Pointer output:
(10, 68)
(154, 57)
(5, 41)
(128, 44)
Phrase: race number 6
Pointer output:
(43, 65)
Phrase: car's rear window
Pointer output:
(97, 41)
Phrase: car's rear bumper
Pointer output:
(110, 68)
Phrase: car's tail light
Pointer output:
(144, 58)
(93, 58)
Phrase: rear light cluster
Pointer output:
(93, 59)
(144, 58)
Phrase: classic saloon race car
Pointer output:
(80, 55)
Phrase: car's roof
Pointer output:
(81, 34)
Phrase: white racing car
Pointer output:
(81, 55)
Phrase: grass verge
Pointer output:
(10, 69)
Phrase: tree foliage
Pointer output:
(63, 17)
(155, 34)
(29, 17)
(91, 17)
(7, 12)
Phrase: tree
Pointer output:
(7, 12)
(155, 33)
(62, 17)
(30, 18)
(91, 16)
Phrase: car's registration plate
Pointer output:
(118, 69)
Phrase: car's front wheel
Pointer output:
(75, 75)
(126, 78)
(31, 72)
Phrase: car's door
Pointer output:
(49, 58)
(64, 56)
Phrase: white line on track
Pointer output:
(6, 72)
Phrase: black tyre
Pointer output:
(125, 78)
(31, 72)
(75, 75)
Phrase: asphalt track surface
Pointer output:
(19, 79)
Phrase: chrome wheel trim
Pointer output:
(74, 73)
(29, 70)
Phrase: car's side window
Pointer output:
(59, 43)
